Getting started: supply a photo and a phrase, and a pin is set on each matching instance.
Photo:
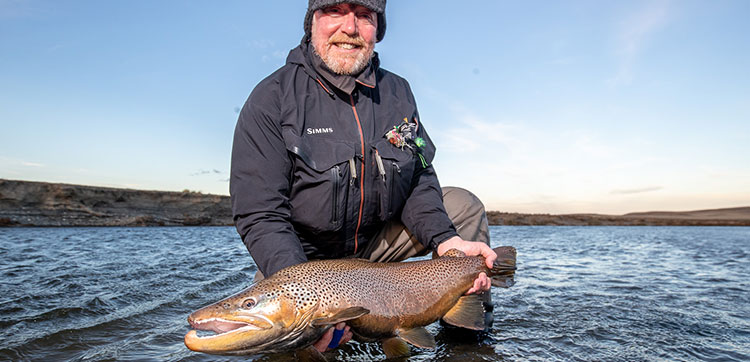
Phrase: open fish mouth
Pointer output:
(217, 327)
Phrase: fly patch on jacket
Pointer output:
(405, 135)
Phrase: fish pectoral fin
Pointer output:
(419, 337)
(504, 268)
(341, 316)
(395, 347)
(310, 354)
(468, 312)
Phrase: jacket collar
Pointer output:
(316, 68)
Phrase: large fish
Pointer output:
(390, 302)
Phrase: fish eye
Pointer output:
(248, 303)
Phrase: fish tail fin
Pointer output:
(504, 268)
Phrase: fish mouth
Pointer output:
(225, 336)
(222, 327)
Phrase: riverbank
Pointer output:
(27, 203)
(718, 217)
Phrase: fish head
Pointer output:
(269, 316)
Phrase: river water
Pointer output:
(581, 294)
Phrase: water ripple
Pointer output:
(582, 294)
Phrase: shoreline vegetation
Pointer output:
(29, 203)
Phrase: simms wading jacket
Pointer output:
(313, 174)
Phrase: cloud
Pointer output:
(270, 51)
(262, 43)
(206, 172)
(547, 166)
(31, 164)
(274, 56)
(635, 190)
(633, 34)
(475, 133)
(55, 47)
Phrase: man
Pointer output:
(331, 160)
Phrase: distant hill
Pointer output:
(26, 203)
(738, 216)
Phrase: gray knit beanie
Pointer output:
(377, 6)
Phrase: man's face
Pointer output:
(344, 37)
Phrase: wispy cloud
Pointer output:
(271, 52)
(633, 33)
(55, 47)
(262, 43)
(206, 172)
(31, 164)
(635, 190)
(274, 56)
(475, 132)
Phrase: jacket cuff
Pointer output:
(441, 238)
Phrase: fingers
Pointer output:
(347, 336)
(489, 255)
(481, 283)
(322, 344)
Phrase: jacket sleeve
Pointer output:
(259, 184)
(424, 213)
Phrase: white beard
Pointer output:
(339, 66)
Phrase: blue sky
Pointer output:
(536, 106)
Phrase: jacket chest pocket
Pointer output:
(395, 168)
(319, 186)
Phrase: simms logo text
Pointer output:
(319, 130)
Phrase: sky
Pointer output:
(535, 106)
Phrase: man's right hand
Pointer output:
(471, 248)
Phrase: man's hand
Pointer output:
(322, 344)
(482, 282)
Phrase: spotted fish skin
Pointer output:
(397, 295)
(299, 303)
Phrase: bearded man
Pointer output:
(331, 160)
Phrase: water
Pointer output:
(582, 294)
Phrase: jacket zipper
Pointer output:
(362, 173)
(336, 176)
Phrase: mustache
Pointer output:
(342, 38)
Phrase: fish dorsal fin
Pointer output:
(310, 354)
(341, 316)
(418, 336)
(395, 347)
(468, 312)
(454, 253)
(504, 268)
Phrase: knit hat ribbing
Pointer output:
(377, 6)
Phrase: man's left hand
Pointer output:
(470, 248)
(322, 344)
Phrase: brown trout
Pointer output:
(390, 302)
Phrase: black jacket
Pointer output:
(305, 179)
